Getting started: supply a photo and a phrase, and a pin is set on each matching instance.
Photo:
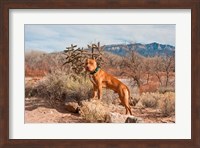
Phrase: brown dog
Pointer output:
(101, 79)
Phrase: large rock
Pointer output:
(72, 106)
(119, 118)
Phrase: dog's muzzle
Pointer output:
(87, 68)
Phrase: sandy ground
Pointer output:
(37, 110)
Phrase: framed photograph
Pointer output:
(99, 73)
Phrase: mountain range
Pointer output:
(146, 50)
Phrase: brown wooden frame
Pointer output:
(5, 5)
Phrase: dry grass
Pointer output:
(167, 105)
(60, 86)
(164, 102)
(149, 100)
(94, 111)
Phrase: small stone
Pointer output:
(119, 118)
(133, 119)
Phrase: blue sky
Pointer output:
(52, 38)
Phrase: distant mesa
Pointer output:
(146, 50)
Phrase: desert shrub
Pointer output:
(149, 100)
(164, 102)
(167, 104)
(61, 86)
(94, 111)
(29, 91)
(78, 88)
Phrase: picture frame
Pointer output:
(5, 6)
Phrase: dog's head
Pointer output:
(90, 65)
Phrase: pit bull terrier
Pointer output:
(101, 79)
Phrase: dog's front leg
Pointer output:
(95, 89)
(100, 90)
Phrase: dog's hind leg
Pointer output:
(126, 101)
(128, 108)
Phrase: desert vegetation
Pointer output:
(151, 81)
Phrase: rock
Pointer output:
(115, 118)
(72, 107)
(119, 118)
(133, 119)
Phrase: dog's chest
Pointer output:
(95, 80)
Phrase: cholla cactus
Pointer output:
(77, 57)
